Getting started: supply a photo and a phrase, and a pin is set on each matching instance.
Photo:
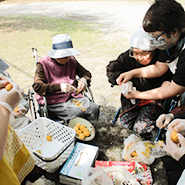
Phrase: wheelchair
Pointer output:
(40, 110)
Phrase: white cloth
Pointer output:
(181, 181)
(127, 87)
(9, 108)
(173, 65)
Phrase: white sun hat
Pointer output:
(62, 47)
(3, 66)
(141, 40)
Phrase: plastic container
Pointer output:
(49, 155)
(121, 176)
(115, 175)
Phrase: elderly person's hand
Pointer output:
(82, 84)
(124, 77)
(67, 88)
(164, 119)
(12, 97)
(174, 150)
(178, 125)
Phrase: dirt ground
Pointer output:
(111, 19)
(114, 21)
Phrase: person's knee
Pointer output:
(141, 128)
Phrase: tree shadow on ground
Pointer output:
(107, 114)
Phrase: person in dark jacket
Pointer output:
(141, 115)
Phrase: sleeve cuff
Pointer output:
(7, 106)
(182, 161)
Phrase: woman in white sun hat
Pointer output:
(55, 78)
(141, 114)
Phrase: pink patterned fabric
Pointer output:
(56, 74)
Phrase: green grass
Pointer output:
(19, 34)
(24, 23)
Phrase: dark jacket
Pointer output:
(125, 63)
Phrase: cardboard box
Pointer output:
(82, 156)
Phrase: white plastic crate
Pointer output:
(54, 152)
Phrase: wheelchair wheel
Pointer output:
(43, 110)
(32, 106)
(88, 93)
(36, 110)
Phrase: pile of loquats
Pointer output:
(82, 131)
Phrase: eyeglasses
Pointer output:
(157, 38)
(142, 55)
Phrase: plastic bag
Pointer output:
(115, 175)
(120, 176)
(145, 177)
(127, 87)
(140, 171)
(95, 176)
(141, 151)
(81, 103)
